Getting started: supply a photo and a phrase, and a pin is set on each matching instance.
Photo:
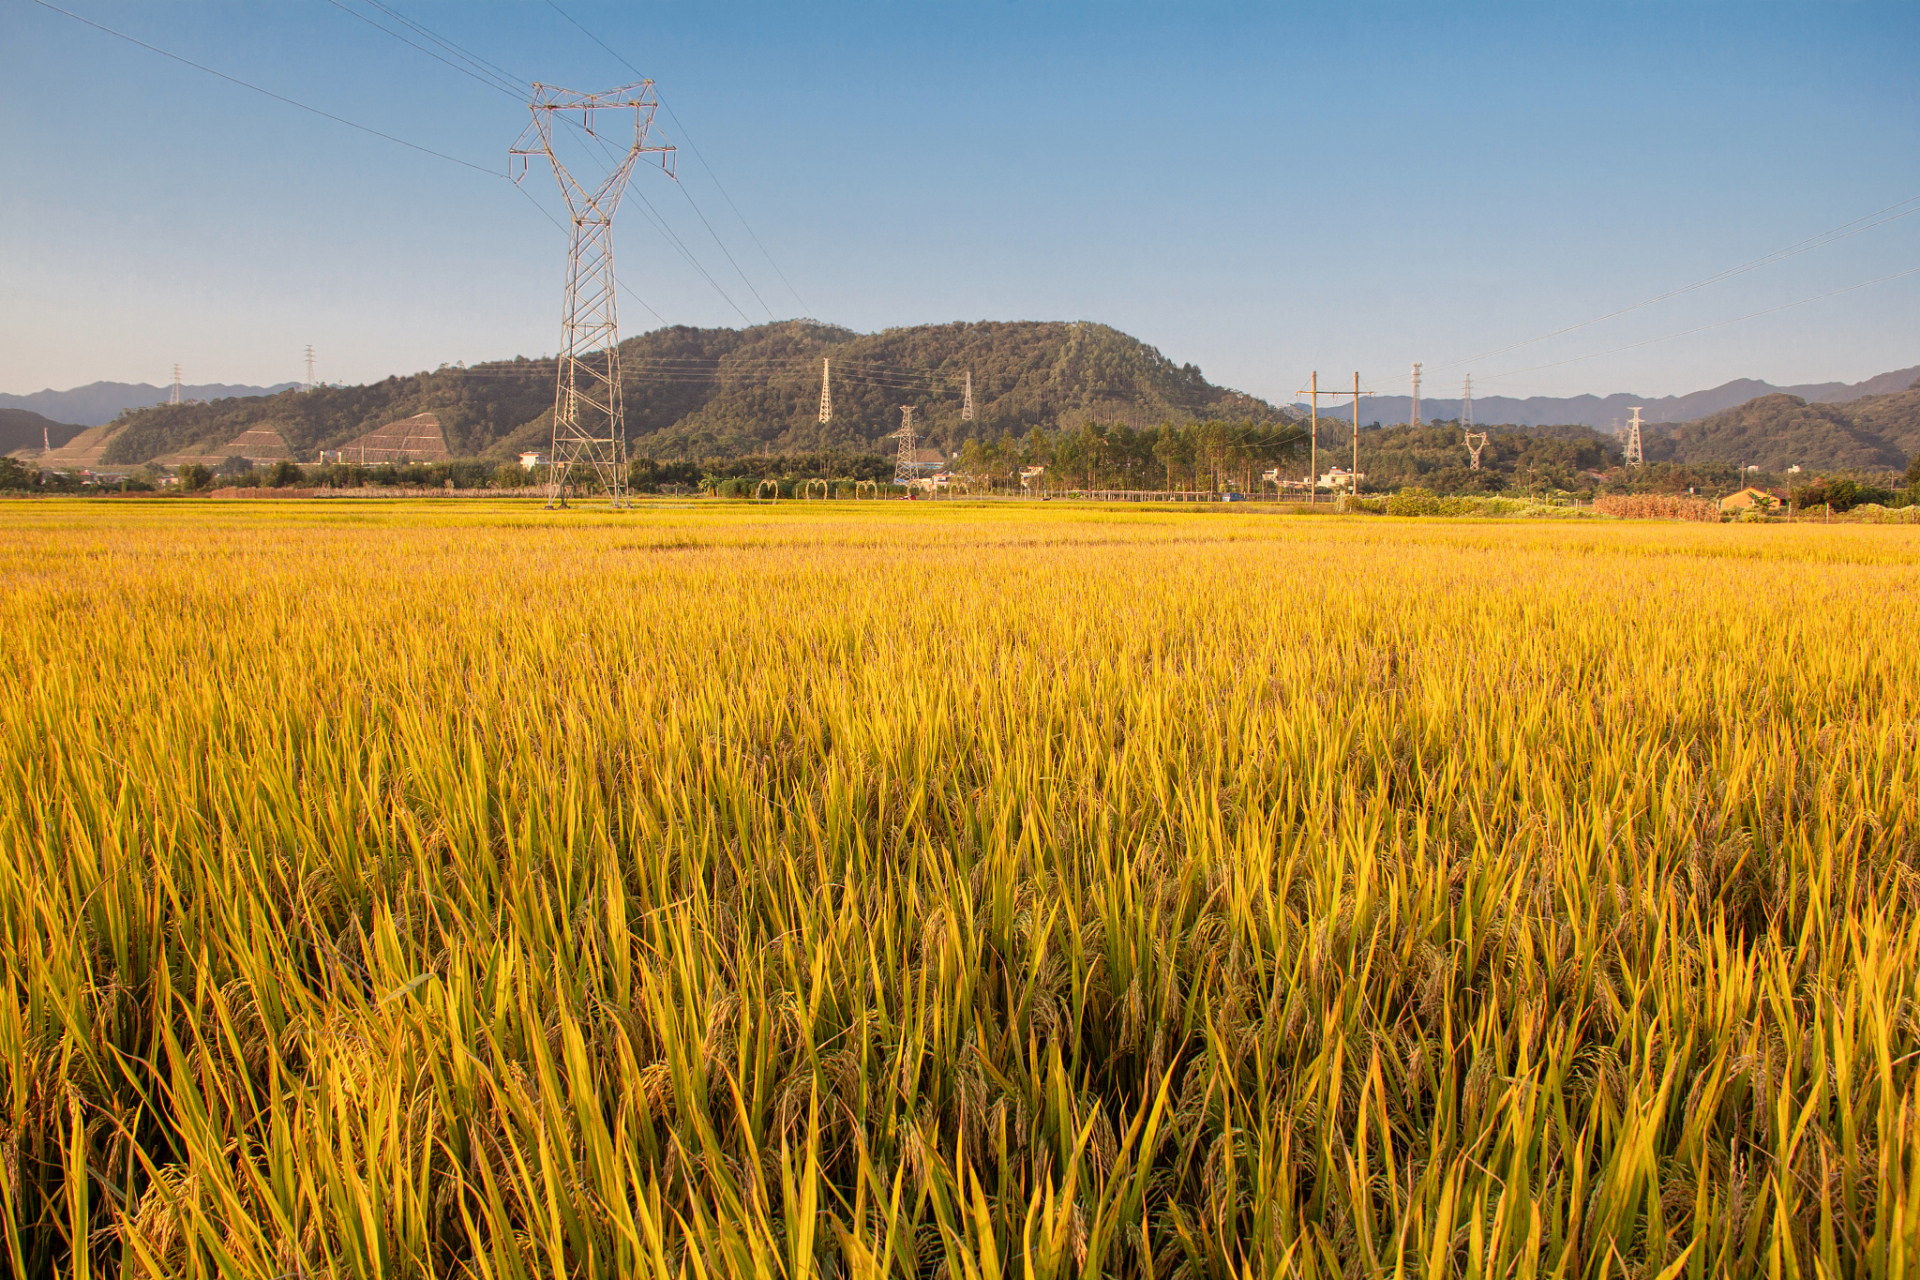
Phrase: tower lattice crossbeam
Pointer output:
(589, 427)
(1476, 440)
(905, 469)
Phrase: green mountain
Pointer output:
(1893, 418)
(1775, 432)
(692, 393)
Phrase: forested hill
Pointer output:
(1780, 431)
(693, 393)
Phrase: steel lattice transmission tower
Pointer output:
(1634, 456)
(826, 390)
(309, 385)
(1475, 441)
(966, 405)
(588, 426)
(174, 396)
(905, 471)
(1413, 418)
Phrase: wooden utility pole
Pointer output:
(1313, 391)
(1353, 482)
(1313, 466)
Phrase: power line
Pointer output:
(328, 115)
(589, 424)
(1815, 241)
(723, 249)
(667, 231)
(661, 225)
(563, 231)
(658, 370)
(512, 90)
(596, 39)
(701, 157)
(1785, 306)
(466, 55)
(277, 97)
(470, 74)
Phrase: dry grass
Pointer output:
(1658, 506)
(891, 891)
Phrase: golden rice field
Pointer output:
(885, 890)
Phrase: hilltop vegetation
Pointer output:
(1775, 432)
(692, 393)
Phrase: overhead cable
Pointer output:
(723, 249)
(328, 115)
(563, 231)
(612, 52)
(465, 71)
(516, 83)
(701, 157)
(511, 90)
(277, 97)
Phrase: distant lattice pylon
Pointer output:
(905, 469)
(1476, 441)
(174, 396)
(588, 424)
(826, 390)
(1634, 456)
(966, 405)
(309, 385)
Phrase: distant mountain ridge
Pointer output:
(1608, 411)
(99, 403)
(692, 393)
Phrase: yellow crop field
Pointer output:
(907, 890)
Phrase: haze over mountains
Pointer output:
(1612, 410)
(98, 403)
(698, 393)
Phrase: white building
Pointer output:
(531, 459)
(1341, 478)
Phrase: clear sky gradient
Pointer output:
(1261, 190)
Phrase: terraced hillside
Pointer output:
(695, 392)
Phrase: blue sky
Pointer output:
(1261, 190)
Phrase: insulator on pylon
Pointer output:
(589, 427)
